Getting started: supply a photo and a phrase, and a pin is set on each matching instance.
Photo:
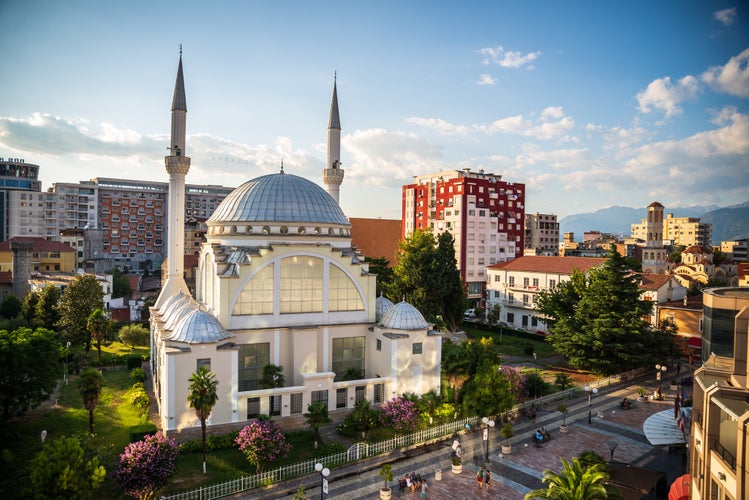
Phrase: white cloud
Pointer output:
(553, 124)
(725, 16)
(508, 59)
(486, 79)
(440, 125)
(732, 78)
(662, 95)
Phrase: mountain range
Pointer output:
(729, 223)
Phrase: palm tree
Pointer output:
(272, 377)
(456, 365)
(202, 396)
(574, 482)
(90, 384)
(98, 325)
(317, 416)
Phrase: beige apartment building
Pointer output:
(541, 234)
(686, 231)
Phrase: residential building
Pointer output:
(686, 231)
(20, 189)
(697, 266)
(659, 289)
(89, 249)
(279, 282)
(484, 214)
(514, 285)
(376, 237)
(719, 437)
(46, 256)
(736, 250)
(541, 234)
(686, 316)
(62, 281)
(195, 230)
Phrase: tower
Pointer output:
(332, 175)
(177, 166)
(22, 251)
(653, 253)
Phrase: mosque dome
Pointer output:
(279, 198)
(382, 306)
(404, 316)
(198, 327)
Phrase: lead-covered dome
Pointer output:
(404, 316)
(279, 198)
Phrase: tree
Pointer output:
(456, 366)
(272, 377)
(99, 326)
(47, 315)
(317, 416)
(399, 414)
(145, 466)
(675, 255)
(202, 396)
(488, 392)
(138, 398)
(29, 369)
(10, 307)
(363, 416)
(453, 294)
(81, 297)
(262, 442)
(134, 335)
(381, 267)
(599, 322)
(428, 404)
(574, 482)
(90, 384)
(493, 314)
(120, 284)
(28, 308)
(61, 470)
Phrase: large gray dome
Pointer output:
(279, 198)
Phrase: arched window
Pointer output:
(257, 295)
(343, 294)
(301, 284)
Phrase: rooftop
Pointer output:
(555, 265)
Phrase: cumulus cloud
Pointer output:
(486, 79)
(552, 124)
(665, 96)
(731, 78)
(440, 125)
(725, 16)
(507, 58)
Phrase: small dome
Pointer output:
(404, 316)
(382, 306)
(279, 198)
(198, 327)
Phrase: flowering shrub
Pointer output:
(145, 465)
(400, 414)
(262, 442)
(518, 382)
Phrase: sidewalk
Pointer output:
(519, 472)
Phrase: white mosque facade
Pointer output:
(280, 283)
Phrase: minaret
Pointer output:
(177, 166)
(332, 175)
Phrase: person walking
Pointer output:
(424, 489)
(487, 479)
(480, 477)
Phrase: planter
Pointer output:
(564, 429)
(642, 399)
(457, 469)
(438, 475)
(385, 493)
(506, 449)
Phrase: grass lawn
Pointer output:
(511, 345)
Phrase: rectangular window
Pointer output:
(534, 321)
(552, 283)
(379, 393)
(252, 359)
(253, 407)
(296, 403)
(361, 393)
(417, 348)
(320, 397)
(348, 354)
(535, 282)
(204, 363)
(379, 344)
(274, 403)
(526, 282)
(340, 398)
(512, 280)
(510, 318)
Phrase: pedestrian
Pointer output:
(480, 477)
(487, 479)
(424, 488)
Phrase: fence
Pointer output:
(363, 450)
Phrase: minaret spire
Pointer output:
(332, 175)
(177, 166)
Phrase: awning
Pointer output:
(662, 429)
(694, 342)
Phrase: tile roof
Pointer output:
(555, 265)
(40, 244)
(650, 281)
(6, 277)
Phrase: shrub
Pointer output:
(262, 442)
(138, 432)
(537, 386)
(138, 398)
(138, 375)
(528, 349)
(518, 381)
(133, 361)
(400, 414)
(145, 465)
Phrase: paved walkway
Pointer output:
(519, 472)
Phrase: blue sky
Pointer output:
(590, 104)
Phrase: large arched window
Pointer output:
(257, 295)
(301, 284)
(343, 294)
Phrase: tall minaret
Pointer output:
(332, 175)
(177, 165)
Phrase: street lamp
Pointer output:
(658, 370)
(324, 473)
(488, 424)
(590, 390)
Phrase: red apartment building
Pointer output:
(484, 214)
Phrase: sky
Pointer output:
(591, 104)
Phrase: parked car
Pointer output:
(470, 313)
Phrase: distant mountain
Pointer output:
(728, 222)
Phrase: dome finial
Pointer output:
(282, 165)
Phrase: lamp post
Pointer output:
(488, 424)
(324, 473)
(590, 390)
(658, 370)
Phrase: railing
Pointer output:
(363, 450)
(726, 455)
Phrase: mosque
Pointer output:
(279, 283)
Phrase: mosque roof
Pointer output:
(382, 306)
(198, 327)
(279, 198)
(404, 316)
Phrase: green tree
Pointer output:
(29, 369)
(120, 284)
(381, 267)
(202, 396)
(99, 326)
(28, 308)
(452, 290)
(488, 392)
(272, 377)
(363, 416)
(317, 416)
(90, 384)
(134, 335)
(493, 314)
(61, 470)
(47, 315)
(573, 482)
(675, 255)
(456, 366)
(428, 404)
(81, 297)
(10, 307)
(599, 322)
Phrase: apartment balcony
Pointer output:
(726, 456)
